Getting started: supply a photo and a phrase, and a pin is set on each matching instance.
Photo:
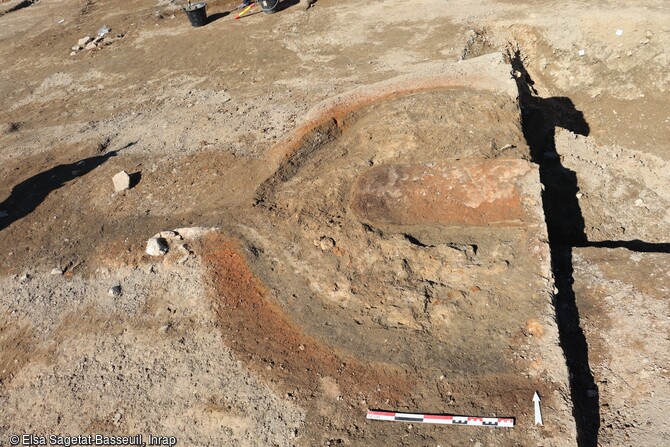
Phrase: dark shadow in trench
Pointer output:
(565, 226)
(566, 229)
(633, 245)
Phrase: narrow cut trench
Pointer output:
(565, 226)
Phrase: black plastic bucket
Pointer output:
(197, 14)
(269, 6)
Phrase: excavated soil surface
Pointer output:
(407, 220)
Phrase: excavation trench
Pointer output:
(565, 226)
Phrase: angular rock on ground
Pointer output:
(157, 246)
(121, 181)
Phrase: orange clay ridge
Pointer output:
(336, 110)
(262, 336)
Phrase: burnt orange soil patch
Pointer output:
(480, 193)
(338, 109)
(265, 338)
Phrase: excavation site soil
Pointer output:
(278, 229)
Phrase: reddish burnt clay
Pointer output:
(273, 347)
(477, 193)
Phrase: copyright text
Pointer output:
(30, 440)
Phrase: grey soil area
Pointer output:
(421, 207)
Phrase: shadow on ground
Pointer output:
(29, 194)
(285, 4)
(217, 15)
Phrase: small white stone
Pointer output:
(581, 52)
(76, 48)
(90, 46)
(84, 41)
(121, 181)
(619, 32)
(57, 271)
(157, 246)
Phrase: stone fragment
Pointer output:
(114, 291)
(57, 271)
(534, 328)
(121, 181)
(90, 46)
(194, 232)
(326, 243)
(76, 48)
(169, 234)
(157, 246)
(84, 41)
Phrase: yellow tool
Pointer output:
(245, 10)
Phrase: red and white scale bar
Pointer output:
(440, 419)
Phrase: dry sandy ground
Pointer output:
(333, 285)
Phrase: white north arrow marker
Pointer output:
(538, 412)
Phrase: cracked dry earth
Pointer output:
(396, 218)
